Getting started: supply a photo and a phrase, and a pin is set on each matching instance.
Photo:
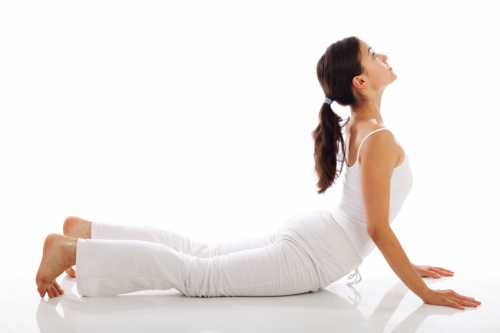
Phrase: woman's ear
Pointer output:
(359, 81)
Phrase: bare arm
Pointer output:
(393, 252)
(378, 157)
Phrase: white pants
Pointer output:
(307, 253)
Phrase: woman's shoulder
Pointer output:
(361, 129)
(384, 145)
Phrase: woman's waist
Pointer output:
(356, 231)
(321, 236)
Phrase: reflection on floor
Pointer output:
(379, 303)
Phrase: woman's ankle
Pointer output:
(70, 251)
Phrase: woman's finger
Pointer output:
(444, 269)
(443, 272)
(435, 273)
(466, 298)
(455, 304)
(467, 302)
(430, 272)
(471, 303)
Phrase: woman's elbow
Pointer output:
(376, 232)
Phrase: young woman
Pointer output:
(308, 251)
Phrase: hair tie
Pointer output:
(328, 100)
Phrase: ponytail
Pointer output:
(328, 141)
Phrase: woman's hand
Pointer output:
(449, 298)
(432, 271)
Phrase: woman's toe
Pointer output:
(54, 290)
(50, 291)
(71, 272)
(41, 291)
(59, 288)
(58, 291)
(42, 287)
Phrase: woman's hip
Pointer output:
(324, 241)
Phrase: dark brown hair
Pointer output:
(335, 69)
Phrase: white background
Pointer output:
(196, 116)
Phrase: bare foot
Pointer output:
(59, 253)
(55, 290)
(77, 228)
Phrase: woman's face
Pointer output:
(378, 73)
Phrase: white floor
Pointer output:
(379, 303)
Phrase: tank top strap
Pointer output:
(366, 137)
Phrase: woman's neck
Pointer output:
(369, 111)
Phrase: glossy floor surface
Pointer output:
(378, 303)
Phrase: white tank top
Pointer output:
(350, 212)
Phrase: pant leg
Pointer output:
(176, 241)
(113, 267)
